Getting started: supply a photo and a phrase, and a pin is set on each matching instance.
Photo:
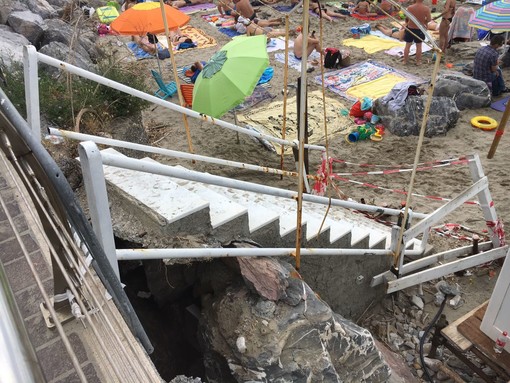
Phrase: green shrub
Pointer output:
(61, 99)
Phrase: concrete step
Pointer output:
(160, 201)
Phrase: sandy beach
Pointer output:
(392, 151)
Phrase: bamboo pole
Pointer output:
(176, 77)
(326, 144)
(423, 128)
(499, 131)
(285, 85)
(302, 122)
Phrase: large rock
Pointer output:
(406, 121)
(11, 46)
(465, 51)
(62, 52)
(42, 8)
(467, 92)
(28, 24)
(297, 338)
(9, 6)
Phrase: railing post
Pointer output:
(31, 76)
(487, 204)
(97, 199)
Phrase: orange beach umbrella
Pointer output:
(145, 18)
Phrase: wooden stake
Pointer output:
(176, 77)
(397, 255)
(285, 84)
(499, 131)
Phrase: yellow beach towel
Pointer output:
(268, 119)
(197, 35)
(376, 88)
(372, 44)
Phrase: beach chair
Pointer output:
(165, 90)
(187, 94)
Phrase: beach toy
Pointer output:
(449, 65)
(361, 133)
(484, 123)
(359, 121)
(366, 103)
(379, 131)
(356, 110)
(344, 112)
(375, 119)
(402, 15)
(368, 116)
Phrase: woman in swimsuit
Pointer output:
(326, 13)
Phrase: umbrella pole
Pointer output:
(174, 68)
(302, 122)
(499, 131)
(285, 84)
(235, 122)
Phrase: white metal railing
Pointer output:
(92, 161)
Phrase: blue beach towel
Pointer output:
(266, 76)
(229, 32)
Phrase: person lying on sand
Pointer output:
(313, 44)
(186, 3)
(243, 25)
(144, 43)
(177, 37)
(244, 8)
(396, 33)
(317, 8)
(363, 9)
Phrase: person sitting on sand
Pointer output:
(486, 66)
(319, 9)
(396, 33)
(313, 44)
(363, 9)
(146, 45)
(186, 3)
(244, 8)
(384, 7)
(225, 7)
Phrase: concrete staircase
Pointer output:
(177, 206)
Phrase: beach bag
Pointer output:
(333, 58)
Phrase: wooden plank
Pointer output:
(480, 313)
(470, 328)
(452, 334)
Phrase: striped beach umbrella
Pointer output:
(494, 17)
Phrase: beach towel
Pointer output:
(278, 44)
(369, 18)
(341, 81)
(190, 9)
(107, 14)
(260, 93)
(139, 53)
(199, 37)
(229, 32)
(218, 20)
(459, 27)
(294, 62)
(500, 105)
(283, 8)
(268, 119)
(372, 44)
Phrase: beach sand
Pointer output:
(393, 151)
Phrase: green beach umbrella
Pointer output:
(230, 75)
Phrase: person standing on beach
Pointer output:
(413, 33)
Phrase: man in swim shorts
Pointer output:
(413, 33)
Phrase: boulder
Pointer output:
(8, 6)
(42, 8)
(11, 46)
(467, 92)
(82, 41)
(62, 52)
(406, 121)
(247, 337)
(27, 24)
